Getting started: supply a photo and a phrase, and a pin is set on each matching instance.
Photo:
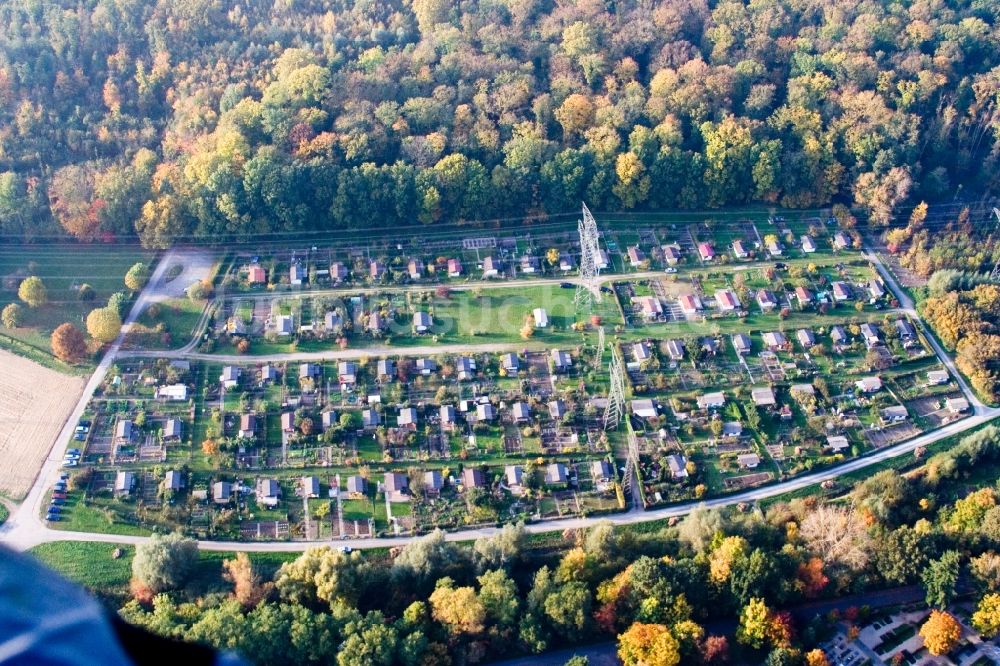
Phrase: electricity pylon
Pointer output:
(616, 391)
(590, 255)
(995, 273)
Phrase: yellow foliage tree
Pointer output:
(941, 632)
(573, 565)
(648, 645)
(755, 624)
(458, 608)
(103, 324)
(575, 114)
(986, 619)
(720, 562)
(32, 291)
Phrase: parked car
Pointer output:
(70, 463)
(53, 517)
(670, 270)
(56, 501)
(73, 452)
(566, 285)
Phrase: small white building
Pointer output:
(644, 408)
(713, 400)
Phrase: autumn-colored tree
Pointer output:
(200, 290)
(967, 514)
(816, 657)
(575, 114)
(573, 566)
(714, 650)
(941, 632)
(248, 588)
(104, 324)
(459, 609)
(648, 645)
(33, 292)
(72, 200)
(917, 217)
(986, 619)
(881, 194)
(755, 624)
(11, 315)
(811, 578)
(781, 629)
(838, 536)
(528, 328)
(210, 447)
(68, 343)
(137, 276)
(243, 345)
(721, 560)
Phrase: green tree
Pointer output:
(940, 578)
(325, 574)
(426, 559)
(137, 276)
(901, 555)
(500, 550)
(568, 609)
(119, 302)
(500, 599)
(372, 644)
(164, 561)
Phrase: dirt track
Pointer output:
(34, 405)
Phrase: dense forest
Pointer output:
(178, 118)
(661, 592)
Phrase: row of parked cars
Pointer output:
(58, 498)
(70, 459)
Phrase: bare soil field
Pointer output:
(34, 404)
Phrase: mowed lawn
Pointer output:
(63, 268)
(499, 314)
(90, 564)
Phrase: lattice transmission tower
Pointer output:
(631, 468)
(590, 256)
(995, 273)
(616, 391)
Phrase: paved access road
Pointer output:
(906, 305)
(26, 520)
(25, 528)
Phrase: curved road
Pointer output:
(25, 528)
